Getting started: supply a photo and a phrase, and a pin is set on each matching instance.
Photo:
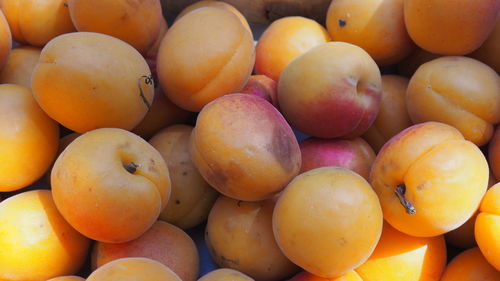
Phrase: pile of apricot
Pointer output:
(365, 147)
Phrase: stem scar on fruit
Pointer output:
(149, 81)
(342, 22)
(400, 193)
(131, 167)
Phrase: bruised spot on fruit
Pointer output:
(177, 202)
(65, 4)
(342, 22)
(281, 149)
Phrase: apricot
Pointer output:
(5, 40)
(377, 26)
(63, 143)
(162, 242)
(487, 226)
(225, 274)
(133, 269)
(488, 52)
(20, 65)
(393, 116)
(136, 22)
(284, 40)
(262, 86)
(110, 185)
(192, 76)
(191, 196)
(429, 179)
(410, 64)
(465, 27)
(153, 50)
(458, 91)
(83, 82)
(239, 235)
(355, 154)
(28, 138)
(261, 153)
(338, 94)
(216, 4)
(402, 257)
(328, 221)
(306, 276)
(37, 22)
(67, 278)
(494, 153)
(470, 265)
(36, 242)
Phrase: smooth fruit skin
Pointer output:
(445, 178)
(133, 269)
(488, 52)
(338, 94)
(87, 80)
(393, 116)
(459, 91)
(377, 26)
(192, 76)
(465, 27)
(67, 278)
(5, 40)
(26, 17)
(260, 151)
(37, 243)
(470, 265)
(402, 257)
(136, 22)
(192, 197)
(240, 236)
(98, 196)
(355, 154)
(225, 274)
(328, 221)
(28, 138)
(262, 86)
(162, 242)
(283, 41)
(487, 226)
(20, 65)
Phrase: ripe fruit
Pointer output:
(262, 86)
(429, 179)
(162, 242)
(28, 138)
(67, 278)
(87, 80)
(328, 221)
(339, 91)
(225, 274)
(36, 242)
(458, 91)
(192, 76)
(494, 153)
(136, 22)
(5, 40)
(377, 26)
(244, 148)
(306, 276)
(487, 227)
(470, 265)
(110, 185)
(283, 41)
(488, 52)
(20, 65)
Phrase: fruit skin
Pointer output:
(28, 138)
(377, 26)
(283, 41)
(136, 22)
(487, 226)
(494, 153)
(5, 40)
(355, 154)
(458, 91)
(20, 65)
(261, 153)
(306, 276)
(162, 242)
(470, 265)
(445, 177)
(25, 18)
(262, 86)
(67, 278)
(328, 221)
(465, 27)
(192, 197)
(83, 82)
(192, 76)
(153, 50)
(393, 116)
(488, 52)
(36, 242)
(240, 236)
(225, 274)
(338, 95)
(133, 269)
(402, 257)
(98, 196)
